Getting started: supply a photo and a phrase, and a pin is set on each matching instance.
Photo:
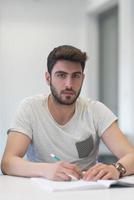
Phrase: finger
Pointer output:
(98, 166)
(72, 170)
(72, 173)
(107, 177)
(95, 166)
(61, 177)
(100, 175)
(94, 171)
(89, 175)
(71, 166)
(91, 169)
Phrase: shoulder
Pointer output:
(94, 107)
(29, 104)
(90, 103)
(33, 100)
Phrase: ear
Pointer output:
(47, 77)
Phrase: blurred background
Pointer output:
(30, 29)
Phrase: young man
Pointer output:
(66, 125)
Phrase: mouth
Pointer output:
(68, 93)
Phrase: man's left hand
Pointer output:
(101, 171)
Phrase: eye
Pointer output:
(76, 76)
(61, 75)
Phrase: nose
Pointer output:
(68, 82)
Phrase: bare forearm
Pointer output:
(54, 171)
(128, 162)
(19, 167)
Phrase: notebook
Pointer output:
(53, 186)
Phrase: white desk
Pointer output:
(16, 188)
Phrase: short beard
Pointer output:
(59, 100)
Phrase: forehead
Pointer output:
(67, 66)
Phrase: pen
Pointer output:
(56, 158)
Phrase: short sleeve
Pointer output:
(103, 117)
(22, 120)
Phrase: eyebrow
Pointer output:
(77, 72)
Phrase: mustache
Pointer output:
(68, 90)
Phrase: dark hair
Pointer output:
(66, 52)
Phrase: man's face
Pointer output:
(65, 81)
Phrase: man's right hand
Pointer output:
(60, 171)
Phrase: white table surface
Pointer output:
(17, 188)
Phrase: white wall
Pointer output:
(126, 58)
(126, 67)
(29, 30)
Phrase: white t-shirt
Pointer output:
(77, 141)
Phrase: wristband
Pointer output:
(121, 169)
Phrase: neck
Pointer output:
(61, 113)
